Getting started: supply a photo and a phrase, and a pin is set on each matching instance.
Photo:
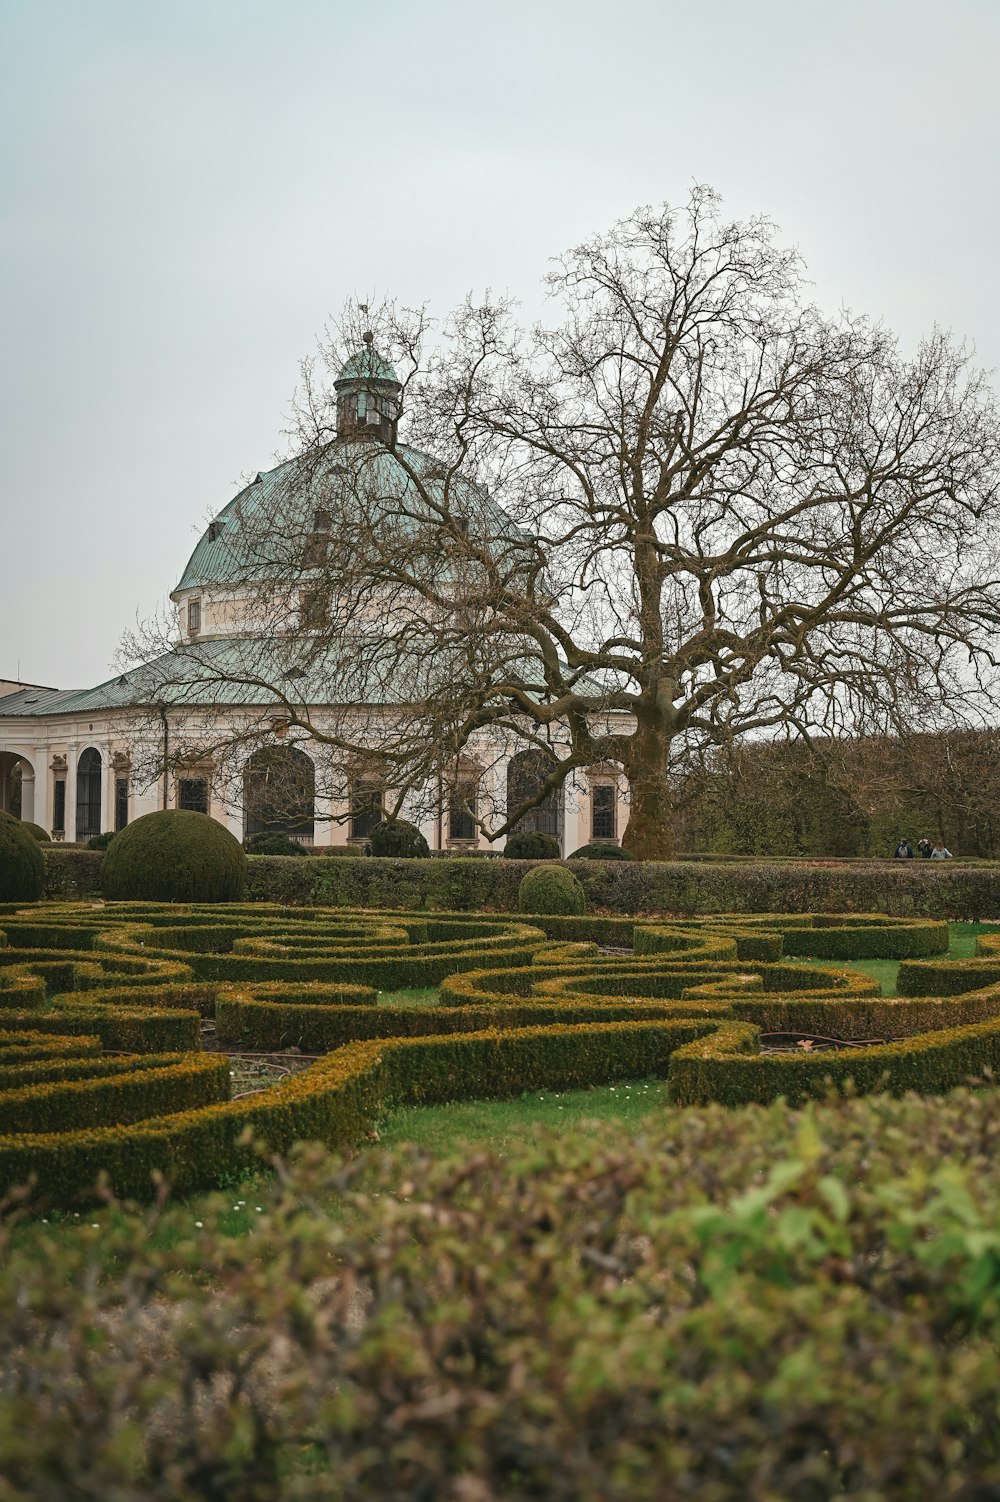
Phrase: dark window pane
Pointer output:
(366, 809)
(88, 794)
(525, 774)
(461, 825)
(313, 609)
(602, 812)
(59, 807)
(121, 802)
(192, 794)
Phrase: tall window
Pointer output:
(59, 806)
(602, 811)
(88, 794)
(462, 810)
(194, 617)
(192, 794)
(121, 802)
(366, 808)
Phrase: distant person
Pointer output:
(941, 852)
(904, 850)
(924, 848)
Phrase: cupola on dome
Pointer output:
(367, 395)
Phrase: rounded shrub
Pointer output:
(174, 855)
(22, 865)
(273, 844)
(101, 841)
(601, 850)
(36, 831)
(531, 845)
(397, 837)
(550, 889)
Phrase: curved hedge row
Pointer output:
(523, 1004)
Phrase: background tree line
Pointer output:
(848, 797)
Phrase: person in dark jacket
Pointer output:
(904, 850)
(924, 848)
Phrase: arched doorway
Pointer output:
(17, 785)
(525, 774)
(88, 794)
(279, 793)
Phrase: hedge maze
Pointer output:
(101, 1009)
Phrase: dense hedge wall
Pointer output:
(71, 874)
(906, 888)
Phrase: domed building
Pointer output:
(278, 702)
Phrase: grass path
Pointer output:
(962, 946)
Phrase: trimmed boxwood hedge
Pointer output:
(601, 850)
(550, 889)
(22, 865)
(522, 1006)
(399, 839)
(174, 855)
(532, 845)
(938, 889)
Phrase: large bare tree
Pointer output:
(684, 508)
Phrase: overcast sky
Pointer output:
(188, 189)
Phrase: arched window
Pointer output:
(525, 774)
(279, 793)
(88, 794)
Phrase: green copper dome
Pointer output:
(366, 365)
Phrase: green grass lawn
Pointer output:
(522, 1122)
(962, 946)
(425, 997)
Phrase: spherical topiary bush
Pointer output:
(397, 837)
(174, 855)
(273, 844)
(550, 889)
(36, 831)
(601, 850)
(532, 846)
(22, 865)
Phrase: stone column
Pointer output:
(43, 779)
(71, 754)
(107, 789)
(27, 792)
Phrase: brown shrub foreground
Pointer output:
(756, 1305)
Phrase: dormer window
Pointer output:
(213, 532)
(321, 521)
(194, 617)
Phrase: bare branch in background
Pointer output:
(686, 510)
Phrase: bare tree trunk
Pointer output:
(651, 830)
